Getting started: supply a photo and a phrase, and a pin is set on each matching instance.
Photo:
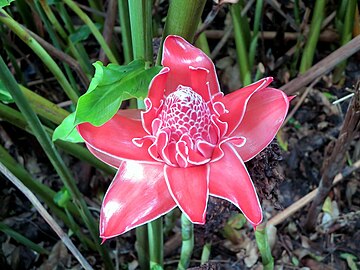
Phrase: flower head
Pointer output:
(189, 143)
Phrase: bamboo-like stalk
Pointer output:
(241, 47)
(14, 117)
(86, 19)
(39, 50)
(125, 30)
(187, 234)
(53, 155)
(316, 21)
(141, 35)
(156, 242)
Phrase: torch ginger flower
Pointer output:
(189, 143)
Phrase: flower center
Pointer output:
(185, 112)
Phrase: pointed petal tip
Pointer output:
(290, 98)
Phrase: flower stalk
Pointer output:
(187, 235)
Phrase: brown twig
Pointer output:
(108, 27)
(48, 218)
(322, 67)
(62, 57)
(296, 206)
(335, 157)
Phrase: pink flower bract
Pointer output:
(189, 143)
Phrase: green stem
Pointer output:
(205, 254)
(45, 193)
(141, 29)
(86, 19)
(346, 35)
(255, 37)
(241, 47)
(14, 117)
(202, 43)
(39, 50)
(125, 30)
(22, 239)
(181, 18)
(141, 35)
(54, 157)
(315, 28)
(187, 234)
(156, 243)
(142, 246)
(56, 43)
(264, 248)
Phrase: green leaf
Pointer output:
(62, 197)
(82, 33)
(66, 131)
(110, 86)
(4, 3)
(4, 94)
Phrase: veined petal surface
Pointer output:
(230, 180)
(189, 188)
(265, 113)
(137, 195)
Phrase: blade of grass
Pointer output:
(241, 46)
(125, 30)
(22, 239)
(86, 19)
(42, 211)
(53, 155)
(39, 51)
(264, 248)
(14, 117)
(315, 28)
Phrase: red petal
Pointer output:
(157, 87)
(179, 55)
(189, 188)
(137, 195)
(265, 113)
(113, 140)
(236, 103)
(230, 180)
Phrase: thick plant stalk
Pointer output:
(141, 36)
(156, 241)
(39, 50)
(14, 117)
(125, 30)
(42, 211)
(181, 18)
(315, 28)
(187, 234)
(241, 46)
(53, 155)
(85, 18)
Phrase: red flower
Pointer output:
(191, 142)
